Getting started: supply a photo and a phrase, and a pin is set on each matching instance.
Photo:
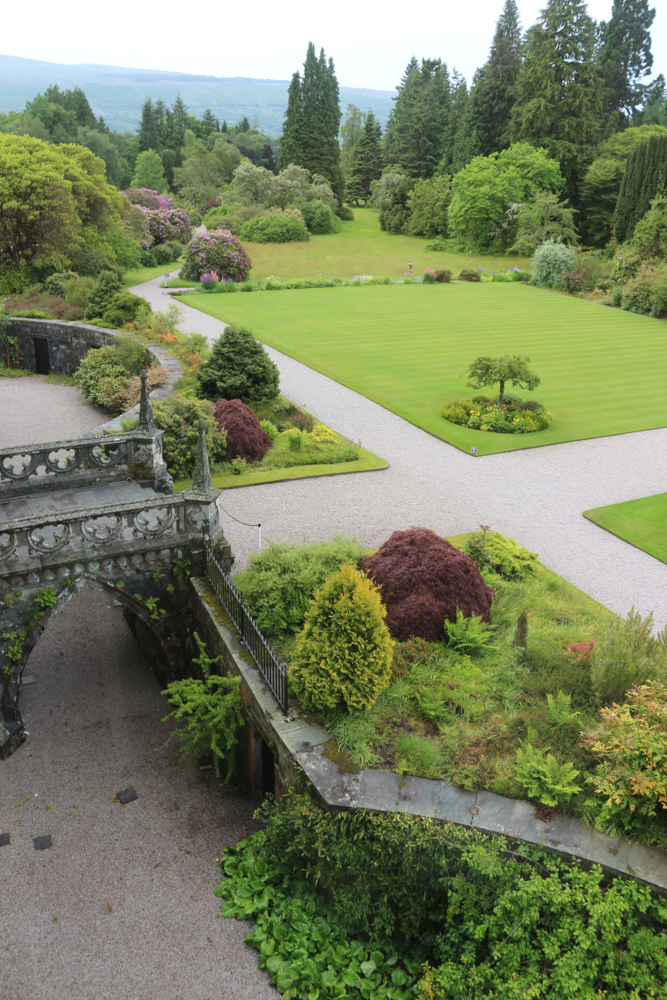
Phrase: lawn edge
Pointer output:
(587, 514)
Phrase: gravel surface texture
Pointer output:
(122, 905)
(33, 411)
(536, 496)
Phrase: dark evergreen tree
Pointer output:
(243, 125)
(312, 121)
(73, 100)
(492, 94)
(645, 177)
(558, 90)
(176, 122)
(624, 58)
(223, 127)
(366, 160)
(459, 144)
(418, 121)
(209, 122)
(148, 132)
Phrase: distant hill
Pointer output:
(118, 93)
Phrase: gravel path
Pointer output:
(33, 411)
(536, 496)
(122, 905)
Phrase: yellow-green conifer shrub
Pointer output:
(343, 653)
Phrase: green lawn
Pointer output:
(361, 248)
(641, 522)
(603, 370)
(132, 278)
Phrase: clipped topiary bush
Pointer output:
(469, 275)
(424, 579)
(217, 251)
(550, 262)
(179, 419)
(280, 581)
(245, 437)
(343, 654)
(444, 275)
(238, 368)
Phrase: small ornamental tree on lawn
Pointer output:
(245, 437)
(550, 262)
(216, 251)
(343, 654)
(238, 368)
(485, 371)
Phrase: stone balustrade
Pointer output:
(31, 544)
(60, 464)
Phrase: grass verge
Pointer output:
(641, 522)
(132, 278)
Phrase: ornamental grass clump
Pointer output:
(245, 437)
(423, 580)
(343, 654)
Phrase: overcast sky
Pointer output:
(370, 42)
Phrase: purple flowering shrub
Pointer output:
(164, 224)
(218, 251)
(147, 198)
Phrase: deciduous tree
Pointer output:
(512, 368)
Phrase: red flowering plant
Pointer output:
(630, 744)
(218, 250)
(579, 653)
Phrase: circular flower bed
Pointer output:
(484, 414)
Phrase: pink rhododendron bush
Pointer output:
(219, 251)
(161, 222)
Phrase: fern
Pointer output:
(468, 635)
(211, 710)
(558, 709)
(543, 777)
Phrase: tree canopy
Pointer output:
(513, 368)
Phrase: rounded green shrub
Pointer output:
(343, 654)
(280, 581)
(490, 549)
(179, 419)
(550, 262)
(106, 287)
(277, 227)
(124, 308)
(238, 368)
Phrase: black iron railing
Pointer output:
(271, 667)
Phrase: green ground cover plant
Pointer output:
(641, 522)
(405, 347)
(396, 907)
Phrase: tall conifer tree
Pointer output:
(148, 132)
(366, 161)
(558, 90)
(417, 123)
(492, 95)
(625, 57)
(312, 121)
(645, 177)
